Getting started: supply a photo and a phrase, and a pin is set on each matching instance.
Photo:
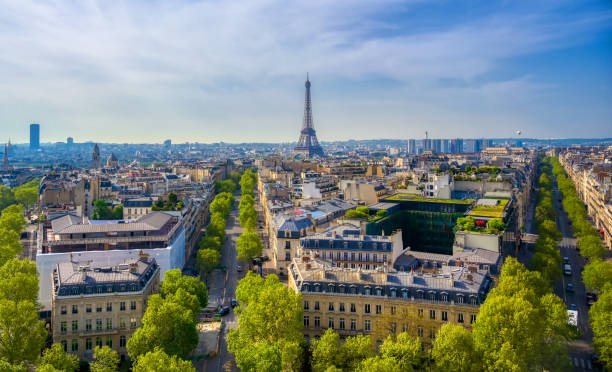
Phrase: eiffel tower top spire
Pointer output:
(308, 145)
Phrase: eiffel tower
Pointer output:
(307, 144)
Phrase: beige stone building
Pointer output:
(95, 306)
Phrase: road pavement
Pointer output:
(223, 288)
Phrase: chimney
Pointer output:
(133, 267)
(452, 280)
(334, 234)
(83, 273)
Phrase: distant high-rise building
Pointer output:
(486, 143)
(6, 167)
(473, 145)
(437, 145)
(34, 136)
(412, 146)
(308, 144)
(95, 157)
(168, 143)
(445, 146)
(518, 143)
(70, 141)
(456, 145)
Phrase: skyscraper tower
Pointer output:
(307, 144)
(6, 167)
(34, 136)
(95, 157)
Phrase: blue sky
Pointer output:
(233, 71)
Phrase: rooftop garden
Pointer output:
(469, 223)
(364, 214)
(495, 211)
(419, 198)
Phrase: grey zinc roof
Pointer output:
(70, 273)
(150, 222)
(286, 222)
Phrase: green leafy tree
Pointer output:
(355, 350)
(591, 247)
(248, 216)
(466, 224)
(382, 213)
(225, 186)
(22, 335)
(101, 211)
(7, 197)
(249, 245)
(597, 275)
(174, 279)
(9, 244)
(210, 241)
(9, 367)
(26, 196)
(453, 350)
(600, 317)
(325, 351)
(405, 351)
(497, 224)
(61, 361)
(117, 212)
(105, 360)
(235, 177)
(166, 325)
(246, 201)
(269, 332)
(378, 364)
(208, 259)
(158, 361)
(353, 213)
(186, 300)
(12, 218)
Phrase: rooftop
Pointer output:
(418, 198)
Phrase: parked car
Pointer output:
(596, 362)
(570, 287)
(235, 303)
(572, 307)
(590, 298)
(567, 270)
(565, 260)
(224, 310)
(239, 268)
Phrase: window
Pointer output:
(75, 326)
(473, 300)
(367, 325)
(133, 323)
(330, 323)
(287, 255)
(341, 307)
(98, 308)
(472, 318)
(316, 307)
(420, 313)
(75, 345)
(353, 308)
(378, 309)
(353, 324)
(444, 297)
(317, 321)
(460, 318)
(420, 331)
(306, 306)
(367, 308)
(98, 324)
(122, 306)
(393, 327)
(65, 345)
(432, 314)
(374, 258)
(306, 321)
(432, 333)
(133, 305)
(287, 244)
(99, 341)
(88, 308)
(109, 341)
(366, 291)
(122, 341)
(109, 323)
(378, 291)
(63, 327)
(432, 296)
(393, 310)
(75, 309)
(444, 316)
(331, 306)
(88, 344)
(404, 327)
(460, 299)
(341, 326)
(123, 323)
(109, 306)
(63, 310)
(345, 256)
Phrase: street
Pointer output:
(223, 288)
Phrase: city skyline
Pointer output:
(197, 74)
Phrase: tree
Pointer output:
(591, 247)
(208, 259)
(246, 215)
(12, 218)
(55, 357)
(382, 213)
(466, 223)
(174, 279)
(496, 224)
(269, 332)
(600, 317)
(354, 350)
(6, 197)
(22, 335)
(225, 186)
(9, 367)
(166, 325)
(597, 275)
(210, 241)
(453, 350)
(378, 364)
(26, 196)
(158, 361)
(105, 360)
(246, 201)
(186, 300)
(101, 211)
(117, 212)
(353, 213)
(324, 351)
(249, 245)
(9, 244)
(405, 352)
